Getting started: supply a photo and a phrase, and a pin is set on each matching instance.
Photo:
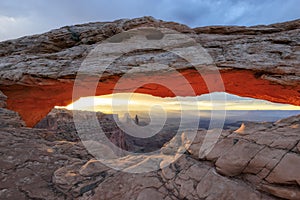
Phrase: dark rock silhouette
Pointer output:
(136, 119)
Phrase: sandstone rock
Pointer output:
(39, 163)
(48, 66)
(61, 121)
(28, 162)
(287, 170)
(208, 189)
(149, 194)
(127, 186)
(63, 169)
(282, 192)
(92, 167)
(168, 173)
(29, 159)
(219, 149)
(75, 177)
(2, 100)
(236, 159)
(266, 158)
(182, 185)
(241, 130)
(173, 146)
(73, 181)
(276, 42)
(187, 188)
(10, 118)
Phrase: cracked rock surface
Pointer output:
(273, 50)
(262, 162)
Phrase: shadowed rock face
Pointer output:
(38, 72)
(61, 122)
(9, 118)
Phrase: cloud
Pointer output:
(12, 27)
(19, 18)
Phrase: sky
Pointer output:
(19, 18)
(118, 102)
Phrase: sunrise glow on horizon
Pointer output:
(142, 102)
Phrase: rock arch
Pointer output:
(38, 72)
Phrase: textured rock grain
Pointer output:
(40, 163)
(43, 67)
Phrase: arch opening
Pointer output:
(141, 110)
(130, 105)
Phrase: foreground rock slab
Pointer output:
(262, 163)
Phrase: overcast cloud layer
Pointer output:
(20, 18)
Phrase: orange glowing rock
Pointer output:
(35, 102)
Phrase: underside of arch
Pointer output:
(33, 102)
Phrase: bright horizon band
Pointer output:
(142, 102)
